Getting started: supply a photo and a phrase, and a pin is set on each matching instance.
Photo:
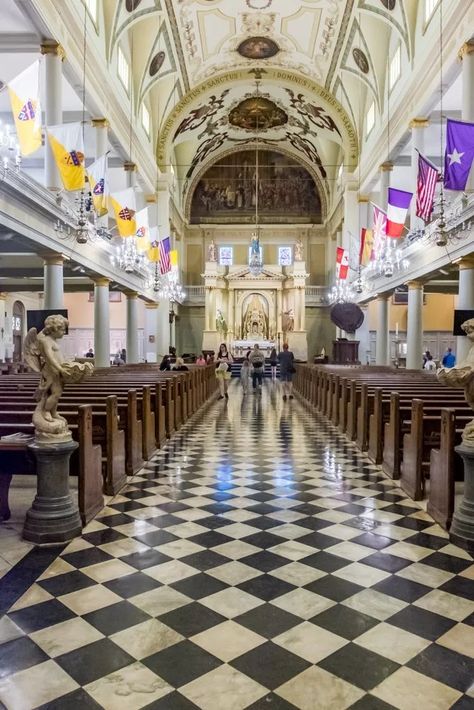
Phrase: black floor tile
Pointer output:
(446, 666)
(65, 583)
(101, 537)
(459, 586)
(421, 622)
(402, 588)
(263, 539)
(204, 560)
(386, 561)
(266, 587)
(270, 665)
(172, 701)
(271, 702)
(116, 617)
(377, 542)
(345, 622)
(19, 654)
(324, 561)
(263, 523)
(199, 585)
(155, 538)
(39, 616)
(132, 584)
(77, 700)
(268, 620)
(93, 661)
(89, 556)
(449, 563)
(210, 539)
(432, 542)
(370, 702)
(145, 559)
(334, 588)
(191, 619)
(359, 666)
(181, 663)
(319, 540)
(265, 561)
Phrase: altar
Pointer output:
(239, 348)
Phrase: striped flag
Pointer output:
(398, 204)
(165, 259)
(342, 263)
(426, 181)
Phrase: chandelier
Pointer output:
(9, 148)
(127, 256)
(341, 292)
(388, 259)
(79, 220)
(170, 289)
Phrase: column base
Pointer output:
(461, 532)
(298, 344)
(53, 517)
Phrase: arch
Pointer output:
(320, 186)
(18, 326)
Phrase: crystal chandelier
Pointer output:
(341, 292)
(79, 220)
(9, 148)
(127, 256)
(170, 288)
(388, 259)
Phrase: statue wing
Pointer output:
(31, 350)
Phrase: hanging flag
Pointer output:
(342, 263)
(165, 260)
(143, 230)
(459, 154)
(67, 143)
(97, 176)
(26, 108)
(174, 259)
(428, 176)
(124, 207)
(153, 251)
(379, 228)
(366, 246)
(398, 204)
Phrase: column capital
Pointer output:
(386, 167)
(466, 48)
(100, 122)
(151, 305)
(50, 46)
(383, 296)
(100, 280)
(414, 285)
(151, 198)
(130, 294)
(129, 167)
(53, 259)
(3, 295)
(363, 199)
(466, 262)
(419, 123)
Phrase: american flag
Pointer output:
(428, 176)
(165, 259)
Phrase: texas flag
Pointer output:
(398, 204)
(459, 154)
(342, 263)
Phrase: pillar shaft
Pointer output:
(101, 323)
(385, 170)
(415, 325)
(466, 55)
(151, 332)
(53, 283)
(132, 327)
(53, 106)
(130, 174)
(465, 302)
(100, 126)
(381, 336)
(163, 338)
(418, 128)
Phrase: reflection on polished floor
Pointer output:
(259, 562)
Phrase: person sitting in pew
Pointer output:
(449, 358)
(180, 366)
(201, 360)
(118, 361)
(165, 363)
(89, 353)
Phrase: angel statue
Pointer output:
(462, 376)
(43, 355)
(212, 251)
(299, 250)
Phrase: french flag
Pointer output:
(398, 204)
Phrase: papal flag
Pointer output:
(143, 230)
(124, 207)
(67, 143)
(153, 249)
(174, 259)
(97, 175)
(25, 103)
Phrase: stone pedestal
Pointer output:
(462, 529)
(53, 517)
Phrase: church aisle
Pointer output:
(259, 562)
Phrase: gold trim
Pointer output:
(50, 46)
(130, 294)
(419, 123)
(466, 48)
(414, 285)
(386, 167)
(3, 295)
(363, 199)
(100, 123)
(151, 305)
(100, 280)
(151, 199)
(466, 262)
(129, 167)
(53, 259)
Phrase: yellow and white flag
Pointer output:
(67, 143)
(153, 248)
(26, 108)
(143, 230)
(124, 206)
(97, 175)
(174, 259)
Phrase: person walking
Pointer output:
(257, 360)
(449, 358)
(273, 363)
(223, 373)
(245, 376)
(287, 370)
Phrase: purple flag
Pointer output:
(459, 154)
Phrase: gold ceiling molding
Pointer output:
(285, 77)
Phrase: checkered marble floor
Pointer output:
(259, 562)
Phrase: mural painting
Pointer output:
(227, 192)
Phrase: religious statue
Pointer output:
(255, 325)
(43, 355)
(212, 252)
(255, 246)
(221, 325)
(299, 250)
(462, 376)
(288, 321)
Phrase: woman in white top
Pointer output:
(224, 360)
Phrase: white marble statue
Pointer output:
(212, 252)
(462, 376)
(299, 250)
(43, 355)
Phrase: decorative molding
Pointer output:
(467, 48)
(50, 46)
(419, 123)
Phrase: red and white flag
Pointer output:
(342, 263)
(428, 176)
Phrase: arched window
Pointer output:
(18, 318)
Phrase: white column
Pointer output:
(385, 170)
(466, 56)
(3, 334)
(101, 322)
(100, 126)
(302, 307)
(415, 325)
(362, 335)
(53, 282)
(381, 335)
(53, 106)
(418, 129)
(231, 313)
(279, 312)
(163, 329)
(151, 332)
(132, 326)
(351, 216)
(465, 301)
(130, 174)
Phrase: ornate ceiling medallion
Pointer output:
(131, 5)
(257, 113)
(258, 4)
(389, 4)
(361, 60)
(258, 48)
(156, 63)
